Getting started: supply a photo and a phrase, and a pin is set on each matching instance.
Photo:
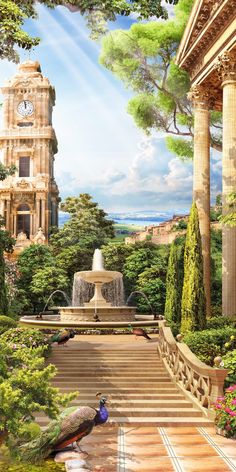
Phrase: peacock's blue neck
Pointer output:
(102, 415)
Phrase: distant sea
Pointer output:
(136, 218)
(137, 222)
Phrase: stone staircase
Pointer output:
(140, 389)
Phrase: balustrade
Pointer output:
(200, 382)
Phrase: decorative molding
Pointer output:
(201, 97)
(205, 31)
(226, 66)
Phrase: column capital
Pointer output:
(201, 97)
(226, 66)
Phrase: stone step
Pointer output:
(156, 421)
(131, 397)
(107, 362)
(113, 371)
(113, 375)
(136, 403)
(100, 384)
(105, 354)
(109, 389)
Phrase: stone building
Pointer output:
(208, 53)
(29, 199)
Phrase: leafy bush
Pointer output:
(25, 388)
(220, 322)
(229, 361)
(6, 323)
(21, 337)
(209, 343)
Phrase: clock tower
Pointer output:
(29, 199)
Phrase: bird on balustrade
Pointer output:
(68, 429)
(62, 337)
(139, 332)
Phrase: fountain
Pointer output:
(97, 301)
(98, 307)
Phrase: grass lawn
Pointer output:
(122, 231)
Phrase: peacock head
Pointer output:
(102, 399)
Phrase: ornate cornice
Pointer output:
(201, 97)
(226, 66)
(207, 11)
(212, 19)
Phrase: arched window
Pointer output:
(23, 207)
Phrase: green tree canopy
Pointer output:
(25, 387)
(88, 225)
(152, 283)
(48, 279)
(144, 59)
(13, 13)
(33, 259)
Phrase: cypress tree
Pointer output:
(174, 280)
(193, 312)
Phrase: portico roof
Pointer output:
(210, 31)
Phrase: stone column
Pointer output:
(43, 217)
(37, 216)
(8, 215)
(201, 178)
(227, 69)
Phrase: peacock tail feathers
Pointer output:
(41, 447)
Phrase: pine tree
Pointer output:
(193, 312)
(174, 283)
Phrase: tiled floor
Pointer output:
(153, 449)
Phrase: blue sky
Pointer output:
(101, 151)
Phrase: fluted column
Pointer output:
(8, 215)
(227, 69)
(43, 217)
(37, 216)
(201, 177)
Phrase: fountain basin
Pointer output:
(48, 322)
(104, 313)
(98, 276)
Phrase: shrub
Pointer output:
(229, 361)
(209, 343)
(6, 323)
(220, 322)
(21, 337)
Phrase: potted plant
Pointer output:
(225, 408)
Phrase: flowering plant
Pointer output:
(225, 408)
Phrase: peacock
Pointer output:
(73, 424)
(61, 337)
(139, 332)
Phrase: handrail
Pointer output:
(202, 383)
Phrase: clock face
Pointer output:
(25, 108)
